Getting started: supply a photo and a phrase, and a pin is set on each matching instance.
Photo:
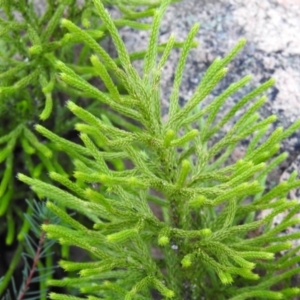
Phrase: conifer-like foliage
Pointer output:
(208, 243)
(37, 257)
(29, 89)
(30, 92)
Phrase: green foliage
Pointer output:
(41, 268)
(209, 242)
(32, 46)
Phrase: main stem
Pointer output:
(175, 251)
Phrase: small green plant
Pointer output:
(28, 82)
(30, 44)
(208, 243)
(36, 256)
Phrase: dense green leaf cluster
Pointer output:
(31, 42)
(208, 243)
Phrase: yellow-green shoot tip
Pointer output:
(71, 105)
(64, 22)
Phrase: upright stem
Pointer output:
(34, 265)
(174, 252)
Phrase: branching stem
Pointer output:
(34, 264)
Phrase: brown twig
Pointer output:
(34, 264)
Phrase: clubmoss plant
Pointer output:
(30, 43)
(208, 243)
(30, 92)
(28, 79)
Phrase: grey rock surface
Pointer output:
(272, 50)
